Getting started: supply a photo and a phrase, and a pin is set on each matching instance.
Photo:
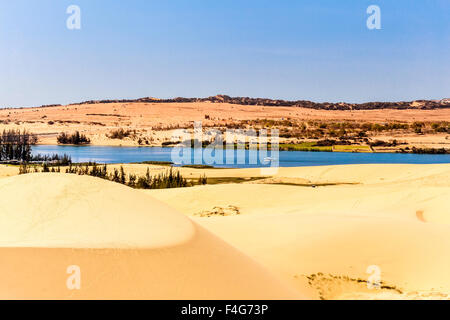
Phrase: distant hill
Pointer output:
(400, 105)
(418, 104)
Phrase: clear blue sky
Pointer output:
(318, 50)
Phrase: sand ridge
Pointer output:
(126, 244)
(75, 212)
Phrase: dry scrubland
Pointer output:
(306, 232)
(134, 123)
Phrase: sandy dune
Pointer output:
(389, 190)
(393, 216)
(309, 232)
(126, 244)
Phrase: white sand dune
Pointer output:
(297, 241)
(394, 216)
(127, 245)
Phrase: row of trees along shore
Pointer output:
(16, 145)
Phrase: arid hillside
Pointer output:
(151, 123)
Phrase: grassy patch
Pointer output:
(304, 146)
(222, 180)
(198, 166)
(160, 163)
(313, 185)
(351, 148)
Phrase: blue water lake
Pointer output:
(105, 154)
